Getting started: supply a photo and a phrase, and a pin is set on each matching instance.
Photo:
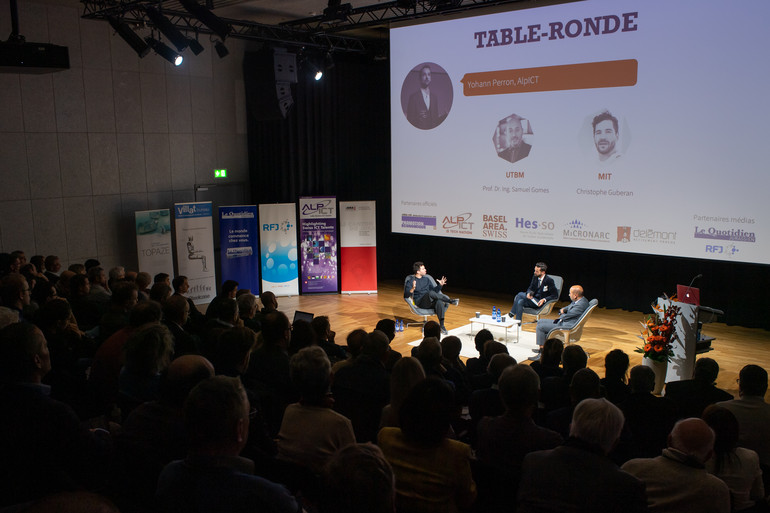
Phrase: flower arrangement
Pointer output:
(659, 334)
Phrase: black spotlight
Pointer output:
(167, 28)
(208, 18)
(195, 46)
(221, 49)
(164, 51)
(129, 36)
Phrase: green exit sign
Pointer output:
(220, 173)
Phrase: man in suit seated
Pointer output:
(568, 316)
(691, 396)
(541, 289)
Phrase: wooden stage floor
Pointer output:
(606, 330)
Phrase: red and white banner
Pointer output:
(358, 247)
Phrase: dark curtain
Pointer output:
(336, 141)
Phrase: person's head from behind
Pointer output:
(616, 365)
(355, 341)
(146, 312)
(276, 330)
(585, 384)
(752, 381)
(406, 373)
(247, 305)
(358, 479)
(54, 316)
(694, 438)
(269, 302)
(432, 329)
(481, 338)
(573, 358)
(551, 353)
(148, 350)
(387, 326)
(451, 347)
(493, 347)
(376, 346)
(228, 311)
(301, 335)
(182, 375)
(429, 353)
(498, 363)
(726, 429)
(426, 412)
(160, 291)
(143, 280)
(97, 276)
(233, 351)
(310, 372)
(519, 389)
(597, 422)
(217, 416)
(176, 309)
(24, 356)
(78, 268)
(124, 295)
(162, 278)
(641, 379)
(321, 328)
(706, 371)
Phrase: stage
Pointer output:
(605, 330)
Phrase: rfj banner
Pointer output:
(239, 253)
(318, 251)
(358, 247)
(195, 249)
(278, 248)
(153, 241)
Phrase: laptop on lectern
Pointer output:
(687, 294)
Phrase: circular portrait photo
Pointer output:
(513, 138)
(426, 95)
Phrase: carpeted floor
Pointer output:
(520, 350)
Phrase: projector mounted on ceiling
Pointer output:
(18, 56)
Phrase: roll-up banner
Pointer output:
(278, 248)
(195, 249)
(318, 250)
(153, 241)
(358, 247)
(239, 252)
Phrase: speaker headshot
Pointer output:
(605, 130)
(426, 96)
(509, 138)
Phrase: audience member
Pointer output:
(433, 473)
(753, 414)
(15, 295)
(677, 480)
(355, 342)
(143, 280)
(227, 292)
(614, 381)
(486, 402)
(162, 278)
(269, 302)
(43, 445)
(86, 313)
(196, 318)
(147, 353)
(737, 466)
(585, 384)
(362, 389)
(649, 419)
(388, 326)
(213, 477)
(324, 338)
(247, 311)
(555, 390)
(578, 476)
(407, 372)
(160, 291)
(301, 336)
(485, 379)
(175, 312)
(358, 479)
(99, 293)
(691, 396)
(124, 297)
(549, 364)
(311, 432)
(78, 268)
(52, 268)
(115, 275)
(227, 317)
(63, 284)
(91, 262)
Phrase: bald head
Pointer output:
(694, 438)
(183, 374)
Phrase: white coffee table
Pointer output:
(507, 322)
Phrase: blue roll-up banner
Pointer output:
(278, 248)
(239, 252)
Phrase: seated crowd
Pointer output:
(116, 390)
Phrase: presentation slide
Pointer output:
(623, 125)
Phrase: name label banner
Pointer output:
(358, 247)
(278, 248)
(195, 249)
(318, 232)
(239, 252)
(153, 241)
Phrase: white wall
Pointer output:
(81, 150)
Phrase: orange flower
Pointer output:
(659, 348)
(647, 347)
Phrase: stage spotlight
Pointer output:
(164, 51)
(208, 18)
(318, 75)
(195, 46)
(221, 49)
(129, 36)
(167, 28)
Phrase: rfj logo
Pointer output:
(728, 251)
(323, 208)
(284, 226)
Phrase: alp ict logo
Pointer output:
(323, 208)
(458, 224)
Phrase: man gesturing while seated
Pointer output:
(541, 289)
(568, 316)
(426, 292)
